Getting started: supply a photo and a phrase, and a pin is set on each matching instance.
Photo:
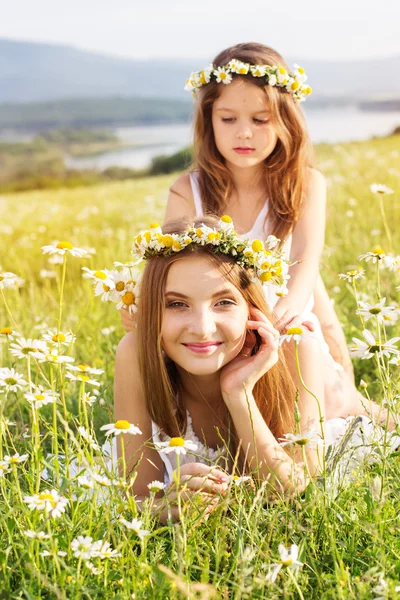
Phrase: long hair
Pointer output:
(286, 169)
(274, 392)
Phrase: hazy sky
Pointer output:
(340, 29)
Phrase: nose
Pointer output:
(244, 131)
(202, 324)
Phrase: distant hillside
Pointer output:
(93, 112)
(35, 72)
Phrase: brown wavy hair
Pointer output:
(286, 169)
(274, 392)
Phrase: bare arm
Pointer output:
(307, 244)
(180, 201)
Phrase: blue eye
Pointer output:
(226, 303)
(175, 304)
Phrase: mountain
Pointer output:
(37, 72)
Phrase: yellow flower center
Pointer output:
(10, 381)
(100, 275)
(257, 245)
(6, 331)
(287, 562)
(265, 276)
(202, 78)
(378, 250)
(1, 277)
(199, 232)
(64, 245)
(226, 219)
(295, 85)
(120, 286)
(39, 397)
(294, 330)
(58, 337)
(128, 299)
(176, 441)
(176, 245)
(147, 236)
(301, 70)
(154, 225)
(282, 71)
(222, 75)
(188, 241)
(211, 236)
(83, 368)
(48, 498)
(243, 70)
(122, 424)
(106, 288)
(167, 240)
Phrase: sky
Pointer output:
(141, 29)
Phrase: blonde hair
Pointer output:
(286, 169)
(274, 392)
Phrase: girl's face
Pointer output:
(242, 122)
(205, 317)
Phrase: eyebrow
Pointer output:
(219, 293)
(257, 112)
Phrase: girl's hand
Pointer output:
(291, 319)
(199, 487)
(128, 320)
(246, 369)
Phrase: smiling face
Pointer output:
(205, 317)
(244, 131)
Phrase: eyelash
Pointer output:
(231, 120)
(178, 304)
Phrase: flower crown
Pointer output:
(265, 259)
(275, 76)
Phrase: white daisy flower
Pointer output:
(82, 377)
(36, 535)
(380, 189)
(156, 486)
(62, 248)
(83, 368)
(202, 77)
(308, 438)
(10, 281)
(82, 547)
(258, 70)
(390, 262)
(101, 549)
(295, 333)
(16, 458)
(103, 279)
(50, 501)
(53, 356)
(40, 398)
(371, 347)
(237, 481)
(88, 399)
(288, 558)
(58, 337)
(299, 73)
(351, 276)
(374, 255)
(10, 380)
(395, 360)
(47, 274)
(222, 75)
(94, 570)
(272, 80)
(120, 426)
(8, 333)
(4, 468)
(206, 235)
(375, 310)
(46, 553)
(86, 482)
(225, 223)
(177, 445)
(104, 480)
(136, 526)
(282, 76)
(22, 348)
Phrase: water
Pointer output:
(328, 125)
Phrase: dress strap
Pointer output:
(194, 182)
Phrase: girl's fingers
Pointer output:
(203, 484)
(266, 325)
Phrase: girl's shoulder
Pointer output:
(315, 179)
(180, 199)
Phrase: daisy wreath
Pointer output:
(278, 76)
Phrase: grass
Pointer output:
(347, 532)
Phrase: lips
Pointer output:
(202, 347)
(244, 150)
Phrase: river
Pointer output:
(329, 125)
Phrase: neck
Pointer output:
(250, 178)
(201, 389)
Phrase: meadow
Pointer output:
(345, 528)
